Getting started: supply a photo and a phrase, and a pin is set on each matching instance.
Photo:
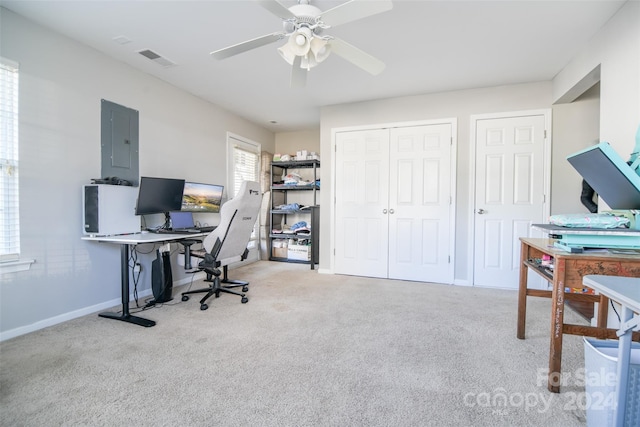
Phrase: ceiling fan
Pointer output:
(307, 46)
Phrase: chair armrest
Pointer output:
(198, 253)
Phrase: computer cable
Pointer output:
(133, 263)
(614, 310)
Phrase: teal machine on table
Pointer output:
(618, 184)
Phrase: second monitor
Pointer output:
(199, 197)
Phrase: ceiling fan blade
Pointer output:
(276, 8)
(247, 45)
(356, 56)
(298, 74)
(354, 10)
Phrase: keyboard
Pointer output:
(170, 231)
(185, 230)
(205, 229)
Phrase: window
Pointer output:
(9, 212)
(245, 161)
(244, 165)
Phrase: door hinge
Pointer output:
(448, 259)
(545, 134)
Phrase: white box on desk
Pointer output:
(299, 252)
(109, 209)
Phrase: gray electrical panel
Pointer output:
(119, 142)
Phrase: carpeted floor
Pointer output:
(307, 350)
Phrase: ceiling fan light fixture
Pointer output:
(286, 53)
(300, 41)
(320, 49)
(306, 47)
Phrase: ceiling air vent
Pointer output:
(147, 53)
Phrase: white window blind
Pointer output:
(245, 166)
(9, 213)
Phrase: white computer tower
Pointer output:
(109, 209)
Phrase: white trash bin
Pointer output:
(600, 362)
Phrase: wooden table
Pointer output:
(569, 269)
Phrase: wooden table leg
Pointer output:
(557, 323)
(522, 291)
(603, 312)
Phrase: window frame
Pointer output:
(244, 144)
(9, 161)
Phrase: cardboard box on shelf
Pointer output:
(279, 249)
(299, 252)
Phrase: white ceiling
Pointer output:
(428, 46)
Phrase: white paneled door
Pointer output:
(362, 202)
(393, 203)
(509, 194)
(420, 203)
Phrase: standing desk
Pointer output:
(569, 269)
(626, 291)
(124, 240)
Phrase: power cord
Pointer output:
(614, 310)
(133, 262)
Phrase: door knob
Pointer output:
(384, 211)
(391, 211)
(481, 211)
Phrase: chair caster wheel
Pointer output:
(244, 300)
(203, 307)
(245, 289)
(185, 298)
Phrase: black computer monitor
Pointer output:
(199, 197)
(159, 195)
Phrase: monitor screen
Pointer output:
(198, 197)
(159, 195)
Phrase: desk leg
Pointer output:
(603, 312)
(125, 316)
(624, 358)
(522, 291)
(557, 323)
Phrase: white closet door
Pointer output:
(420, 203)
(362, 195)
(509, 194)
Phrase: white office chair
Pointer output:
(228, 243)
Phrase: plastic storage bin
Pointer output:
(601, 360)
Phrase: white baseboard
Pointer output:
(12, 333)
(459, 282)
(65, 317)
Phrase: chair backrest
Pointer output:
(237, 219)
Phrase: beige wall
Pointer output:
(615, 50)
(576, 126)
(613, 57)
(460, 105)
(61, 85)
(291, 142)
